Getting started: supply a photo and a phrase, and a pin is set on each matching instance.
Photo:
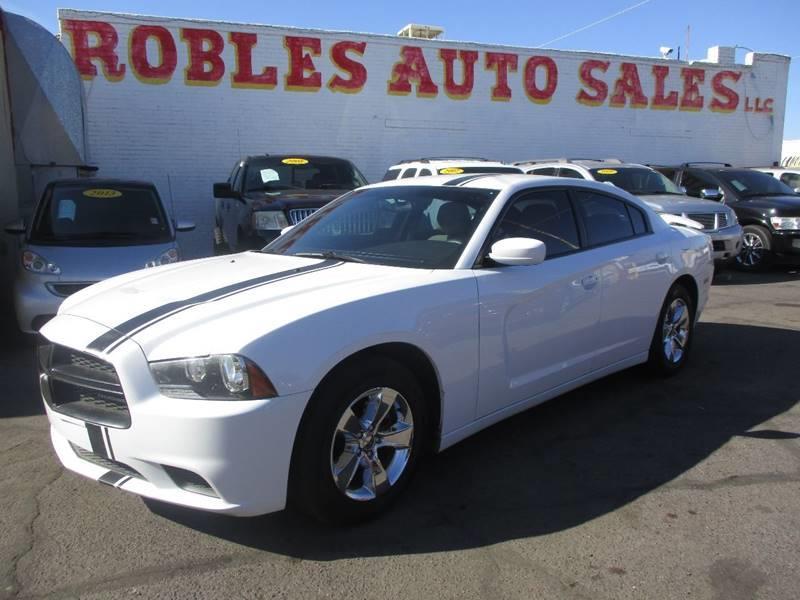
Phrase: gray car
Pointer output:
(661, 194)
(83, 231)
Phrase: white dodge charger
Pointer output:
(399, 319)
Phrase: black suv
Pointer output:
(264, 194)
(768, 210)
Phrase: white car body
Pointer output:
(789, 176)
(500, 339)
(431, 167)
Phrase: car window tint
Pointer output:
(409, 173)
(545, 216)
(694, 181)
(667, 172)
(543, 171)
(391, 174)
(606, 219)
(638, 220)
(570, 173)
(236, 181)
(425, 173)
(791, 179)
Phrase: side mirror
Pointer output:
(16, 227)
(286, 230)
(224, 190)
(711, 194)
(185, 226)
(518, 251)
(797, 190)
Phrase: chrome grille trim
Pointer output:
(709, 221)
(298, 214)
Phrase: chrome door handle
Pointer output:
(662, 257)
(589, 281)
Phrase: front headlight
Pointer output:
(38, 264)
(215, 377)
(784, 223)
(269, 219)
(166, 258)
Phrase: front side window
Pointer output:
(546, 216)
(791, 179)
(409, 173)
(543, 171)
(639, 181)
(425, 227)
(100, 215)
(606, 219)
(275, 173)
(696, 181)
(391, 175)
(751, 184)
(572, 173)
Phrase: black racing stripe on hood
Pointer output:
(105, 342)
(463, 179)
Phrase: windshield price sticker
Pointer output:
(101, 193)
(294, 161)
(450, 171)
(607, 171)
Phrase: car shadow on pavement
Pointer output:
(775, 274)
(19, 393)
(563, 463)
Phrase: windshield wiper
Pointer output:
(331, 255)
(757, 194)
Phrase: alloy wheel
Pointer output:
(675, 330)
(372, 444)
(752, 253)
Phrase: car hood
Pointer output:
(282, 199)
(672, 203)
(96, 263)
(787, 205)
(221, 304)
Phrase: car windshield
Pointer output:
(424, 227)
(277, 173)
(100, 214)
(638, 181)
(750, 184)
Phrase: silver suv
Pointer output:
(661, 194)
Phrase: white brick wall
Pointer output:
(190, 136)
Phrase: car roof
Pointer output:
(98, 181)
(587, 163)
(309, 157)
(461, 162)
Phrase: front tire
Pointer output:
(359, 442)
(672, 339)
(756, 248)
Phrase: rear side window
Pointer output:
(408, 173)
(543, 171)
(606, 219)
(546, 216)
(391, 174)
(572, 173)
(791, 179)
(425, 173)
(638, 220)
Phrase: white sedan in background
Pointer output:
(401, 318)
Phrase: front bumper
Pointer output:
(34, 304)
(786, 244)
(239, 450)
(727, 243)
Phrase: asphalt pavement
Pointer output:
(631, 487)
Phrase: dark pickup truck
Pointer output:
(264, 194)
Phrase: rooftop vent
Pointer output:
(426, 32)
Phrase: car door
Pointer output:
(537, 323)
(635, 272)
(696, 181)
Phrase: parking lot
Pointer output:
(628, 488)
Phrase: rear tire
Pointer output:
(359, 442)
(672, 339)
(756, 251)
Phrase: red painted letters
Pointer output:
(502, 63)
(303, 75)
(691, 99)
(205, 63)
(137, 49)
(105, 51)
(731, 98)
(356, 70)
(590, 81)
(243, 76)
(534, 93)
(659, 100)
(627, 86)
(463, 90)
(412, 68)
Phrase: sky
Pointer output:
(642, 27)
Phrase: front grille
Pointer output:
(106, 463)
(719, 245)
(67, 289)
(298, 214)
(722, 220)
(82, 386)
(710, 221)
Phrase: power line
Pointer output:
(590, 25)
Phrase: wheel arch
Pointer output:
(688, 281)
